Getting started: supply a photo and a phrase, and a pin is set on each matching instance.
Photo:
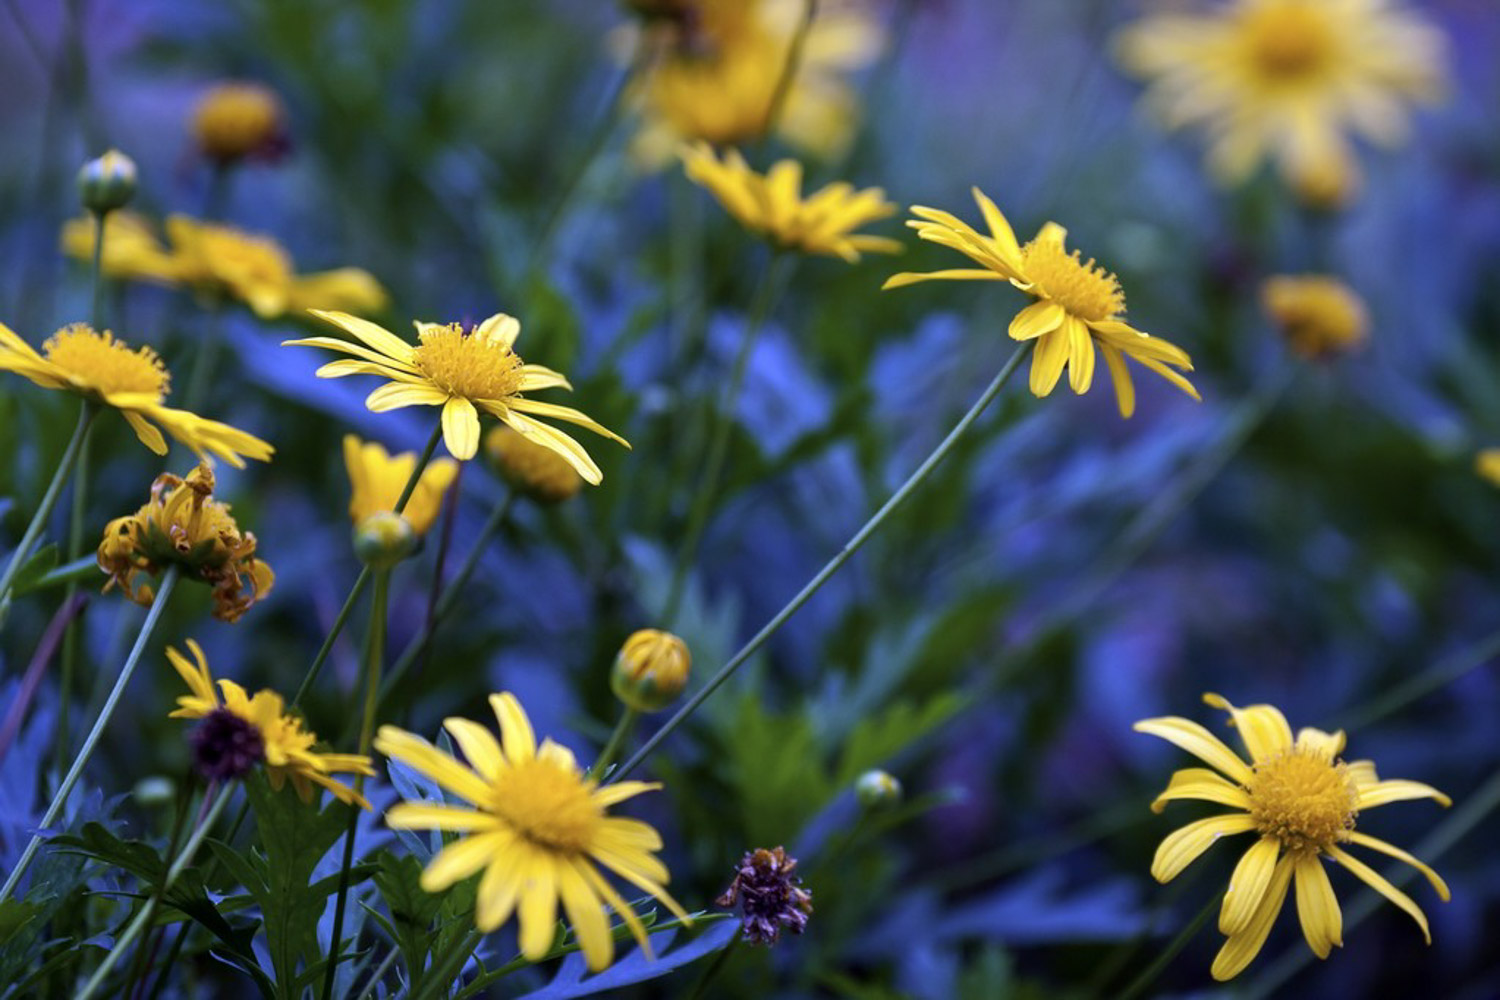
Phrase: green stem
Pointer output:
(1442, 673)
(49, 500)
(789, 70)
(143, 918)
(419, 468)
(75, 552)
(700, 989)
(723, 427)
(379, 973)
(853, 545)
(168, 583)
(141, 965)
(374, 658)
(1149, 974)
(617, 740)
(450, 965)
(96, 307)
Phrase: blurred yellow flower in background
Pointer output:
(1079, 304)
(1320, 316)
(534, 469)
(1487, 465)
(462, 371)
(772, 205)
(538, 830)
(1286, 80)
(236, 120)
(104, 370)
(183, 525)
(286, 748)
(1302, 801)
(378, 478)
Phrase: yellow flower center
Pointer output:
(1085, 290)
(463, 363)
(1305, 802)
(547, 804)
(1287, 42)
(99, 362)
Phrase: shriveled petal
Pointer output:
(1201, 783)
(1248, 884)
(1199, 742)
(1317, 906)
(1376, 844)
(1182, 847)
(1378, 882)
(1240, 950)
(1263, 728)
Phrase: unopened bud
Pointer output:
(382, 540)
(107, 183)
(877, 789)
(651, 670)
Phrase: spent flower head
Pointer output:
(770, 896)
(1319, 316)
(1302, 801)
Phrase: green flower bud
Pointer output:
(877, 789)
(651, 670)
(382, 540)
(107, 183)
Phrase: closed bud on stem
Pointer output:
(384, 539)
(877, 789)
(651, 670)
(107, 183)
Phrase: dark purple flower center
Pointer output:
(226, 746)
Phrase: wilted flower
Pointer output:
(1302, 801)
(772, 205)
(240, 731)
(239, 120)
(534, 469)
(651, 670)
(538, 831)
(1320, 317)
(1079, 305)
(104, 370)
(107, 183)
(1286, 79)
(769, 895)
(462, 371)
(183, 525)
(378, 478)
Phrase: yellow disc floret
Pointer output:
(1307, 803)
(469, 364)
(1288, 42)
(99, 362)
(1085, 290)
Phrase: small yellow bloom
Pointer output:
(1319, 316)
(1487, 465)
(537, 829)
(238, 120)
(286, 748)
(462, 371)
(534, 469)
(1285, 80)
(1079, 305)
(651, 670)
(1301, 800)
(772, 205)
(379, 477)
(183, 525)
(132, 250)
(104, 370)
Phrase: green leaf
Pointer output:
(412, 908)
(42, 562)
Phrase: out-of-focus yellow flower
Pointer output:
(222, 260)
(534, 469)
(285, 747)
(717, 71)
(462, 371)
(1302, 801)
(104, 370)
(1079, 305)
(650, 670)
(182, 525)
(1487, 465)
(239, 120)
(378, 478)
(772, 205)
(536, 827)
(1286, 80)
(1320, 316)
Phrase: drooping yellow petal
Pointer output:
(538, 909)
(1376, 844)
(586, 913)
(1263, 728)
(1317, 906)
(459, 860)
(1379, 883)
(1183, 846)
(1248, 884)
(1201, 783)
(1242, 948)
(1199, 742)
(460, 428)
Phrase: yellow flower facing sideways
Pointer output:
(772, 205)
(379, 477)
(537, 829)
(1487, 465)
(135, 383)
(287, 747)
(1079, 305)
(1286, 80)
(221, 260)
(464, 372)
(1302, 802)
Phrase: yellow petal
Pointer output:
(460, 428)
(1080, 356)
(538, 906)
(1376, 844)
(586, 913)
(498, 893)
(478, 746)
(1325, 745)
(1240, 950)
(420, 816)
(1247, 886)
(515, 729)
(1378, 882)
(1317, 907)
(1263, 728)
(1199, 742)
(1047, 366)
(378, 338)
(1120, 375)
(395, 395)
(1398, 790)
(1037, 319)
(1201, 783)
(1182, 847)
(459, 860)
(958, 274)
(616, 902)
(421, 756)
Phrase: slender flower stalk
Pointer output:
(163, 594)
(832, 566)
(789, 70)
(617, 738)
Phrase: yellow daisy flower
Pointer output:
(286, 748)
(104, 370)
(1301, 801)
(538, 830)
(1320, 317)
(772, 205)
(379, 477)
(1487, 465)
(463, 371)
(238, 119)
(1285, 80)
(1079, 305)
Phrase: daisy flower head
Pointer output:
(378, 477)
(238, 120)
(239, 730)
(463, 371)
(1079, 305)
(1319, 316)
(772, 205)
(135, 383)
(1287, 81)
(536, 827)
(1302, 801)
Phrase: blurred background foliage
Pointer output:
(1310, 535)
